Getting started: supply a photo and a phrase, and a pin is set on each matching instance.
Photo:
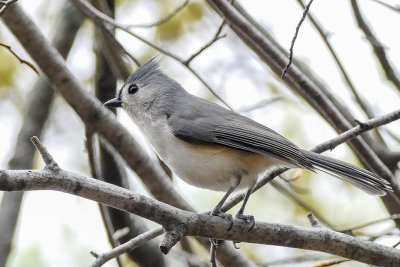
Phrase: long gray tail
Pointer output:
(365, 180)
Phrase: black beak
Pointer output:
(113, 103)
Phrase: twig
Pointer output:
(163, 19)
(313, 221)
(216, 37)
(331, 263)
(301, 203)
(6, 4)
(392, 217)
(131, 244)
(304, 257)
(22, 61)
(353, 132)
(47, 158)
(259, 104)
(377, 46)
(95, 171)
(394, 8)
(213, 253)
(295, 37)
(95, 14)
(324, 36)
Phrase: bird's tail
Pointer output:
(365, 180)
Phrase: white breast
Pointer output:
(208, 166)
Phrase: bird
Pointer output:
(211, 147)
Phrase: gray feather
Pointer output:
(361, 178)
(206, 122)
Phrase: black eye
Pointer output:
(133, 88)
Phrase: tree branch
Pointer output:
(306, 9)
(377, 46)
(172, 219)
(22, 61)
(97, 16)
(163, 19)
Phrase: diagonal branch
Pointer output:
(306, 9)
(22, 61)
(163, 19)
(377, 46)
(99, 17)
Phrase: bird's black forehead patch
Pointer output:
(145, 70)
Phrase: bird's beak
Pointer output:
(113, 103)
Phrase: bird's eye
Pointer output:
(133, 88)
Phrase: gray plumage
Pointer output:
(179, 124)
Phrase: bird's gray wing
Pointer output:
(212, 124)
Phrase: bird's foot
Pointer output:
(248, 219)
(224, 216)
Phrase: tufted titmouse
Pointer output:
(211, 147)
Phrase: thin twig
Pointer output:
(6, 4)
(377, 46)
(95, 14)
(95, 171)
(22, 61)
(313, 221)
(392, 217)
(324, 36)
(295, 37)
(331, 263)
(46, 156)
(283, 190)
(163, 19)
(213, 253)
(216, 37)
(394, 8)
(260, 104)
(355, 131)
(128, 246)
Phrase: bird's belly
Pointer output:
(215, 167)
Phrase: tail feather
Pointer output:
(365, 180)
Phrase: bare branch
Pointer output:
(314, 222)
(283, 190)
(350, 229)
(331, 263)
(324, 36)
(47, 158)
(6, 4)
(377, 46)
(353, 132)
(319, 238)
(95, 14)
(131, 244)
(394, 8)
(163, 19)
(216, 37)
(22, 61)
(295, 37)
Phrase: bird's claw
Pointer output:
(224, 216)
(248, 219)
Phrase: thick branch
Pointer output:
(319, 238)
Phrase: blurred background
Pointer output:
(56, 229)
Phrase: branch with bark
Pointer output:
(178, 223)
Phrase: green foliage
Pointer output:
(8, 66)
(176, 26)
(31, 256)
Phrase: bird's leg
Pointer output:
(217, 210)
(247, 218)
